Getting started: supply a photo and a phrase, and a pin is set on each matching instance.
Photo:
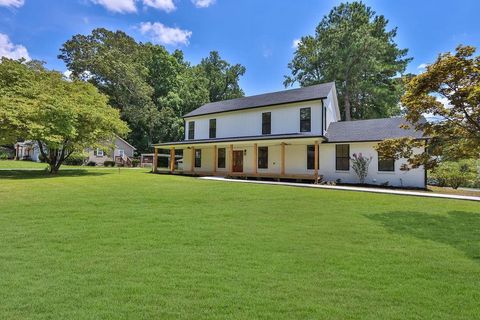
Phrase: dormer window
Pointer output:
(191, 130)
(266, 123)
(213, 129)
(305, 119)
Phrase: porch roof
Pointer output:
(241, 139)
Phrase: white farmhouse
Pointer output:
(292, 134)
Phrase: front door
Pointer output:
(238, 161)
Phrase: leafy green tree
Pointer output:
(62, 116)
(456, 135)
(353, 47)
(151, 87)
(223, 78)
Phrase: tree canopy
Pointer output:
(61, 116)
(353, 47)
(449, 89)
(151, 87)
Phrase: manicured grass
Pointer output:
(99, 244)
(7, 164)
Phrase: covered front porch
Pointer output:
(290, 157)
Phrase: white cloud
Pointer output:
(165, 5)
(67, 74)
(422, 66)
(12, 3)
(160, 33)
(203, 3)
(119, 6)
(10, 50)
(295, 43)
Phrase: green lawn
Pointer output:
(104, 244)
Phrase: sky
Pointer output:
(259, 34)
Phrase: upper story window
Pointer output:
(342, 157)
(213, 129)
(385, 164)
(266, 123)
(262, 157)
(99, 152)
(324, 117)
(191, 130)
(305, 119)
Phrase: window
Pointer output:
(266, 123)
(262, 157)
(121, 153)
(99, 152)
(213, 129)
(305, 119)
(191, 130)
(342, 154)
(385, 164)
(198, 158)
(221, 158)
(311, 157)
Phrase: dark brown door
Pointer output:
(238, 161)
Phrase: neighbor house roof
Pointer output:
(370, 130)
(319, 91)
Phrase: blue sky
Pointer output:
(256, 33)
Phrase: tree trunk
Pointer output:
(348, 109)
(346, 100)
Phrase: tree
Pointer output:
(454, 78)
(222, 77)
(151, 87)
(62, 116)
(353, 47)
(360, 165)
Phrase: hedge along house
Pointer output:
(292, 134)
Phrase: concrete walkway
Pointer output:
(346, 188)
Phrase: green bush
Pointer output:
(456, 174)
(75, 159)
(4, 155)
(135, 162)
(109, 163)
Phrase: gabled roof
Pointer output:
(319, 91)
(370, 130)
(120, 138)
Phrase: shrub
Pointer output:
(109, 163)
(75, 159)
(3, 155)
(461, 173)
(135, 162)
(91, 163)
(360, 166)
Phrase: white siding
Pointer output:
(411, 178)
(248, 122)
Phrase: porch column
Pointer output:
(155, 160)
(255, 158)
(282, 158)
(214, 158)
(316, 160)
(192, 164)
(172, 159)
(230, 163)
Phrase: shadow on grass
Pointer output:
(43, 174)
(458, 229)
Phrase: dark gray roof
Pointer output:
(370, 130)
(244, 138)
(318, 91)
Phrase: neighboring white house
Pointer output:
(292, 134)
(120, 151)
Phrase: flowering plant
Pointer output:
(360, 166)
